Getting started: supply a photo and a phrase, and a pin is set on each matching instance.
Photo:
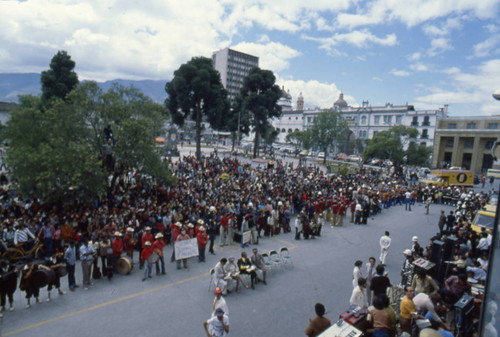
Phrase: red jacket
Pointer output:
(158, 247)
(146, 253)
(128, 242)
(202, 239)
(147, 237)
(117, 245)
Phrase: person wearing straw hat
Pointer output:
(158, 245)
(129, 242)
(202, 239)
(176, 232)
(117, 246)
(147, 236)
(145, 254)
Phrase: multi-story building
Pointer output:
(366, 120)
(466, 142)
(233, 67)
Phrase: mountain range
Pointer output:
(12, 85)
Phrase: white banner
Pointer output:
(247, 236)
(186, 248)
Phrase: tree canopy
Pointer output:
(390, 144)
(60, 79)
(195, 92)
(327, 130)
(56, 154)
(259, 95)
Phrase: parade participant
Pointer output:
(318, 324)
(385, 243)
(87, 255)
(358, 296)
(202, 239)
(22, 237)
(258, 261)
(217, 326)
(158, 245)
(147, 236)
(181, 237)
(220, 276)
(219, 302)
(28, 282)
(298, 226)
(380, 282)
(341, 214)
(103, 247)
(145, 254)
(129, 242)
(8, 283)
(176, 231)
(46, 234)
(246, 267)
(335, 212)
(356, 273)
(232, 270)
(117, 246)
(370, 272)
(53, 263)
(70, 259)
(224, 230)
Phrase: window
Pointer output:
(283, 130)
(309, 119)
(469, 143)
(374, 133)
(387, 119)
(425, 134)
(471, 126)
(377, 119)
(289, 130)
(363, 119)
(489, 144)
(399, 120)
(492, 126)
(426, 121)
(448, 142)
(361, 134)
(414, 121)
(452, 125)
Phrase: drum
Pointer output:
(124, 265)
(61, 271)
(43, 277)
(153, 258)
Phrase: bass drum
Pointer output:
(42, 277)
(153, 258)
(124, 265)
(61, 271)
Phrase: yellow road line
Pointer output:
(102, 305)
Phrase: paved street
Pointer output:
(178, 303)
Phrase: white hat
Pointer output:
(158, 235)
(130, 229)
(415, 238)
(407, 252)
(118, 234)
(147, 243)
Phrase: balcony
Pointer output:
(424, 136)
(414, 123)
(426, 124)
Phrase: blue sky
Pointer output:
(424, 52)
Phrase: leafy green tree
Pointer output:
(389, 144)
(55, 153)
(301, 137)
(195, 92)
(418, 155)
(259, 95)
(60, 79)
(328, 129)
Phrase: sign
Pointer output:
(186, 248)
(341, 329)
(246, 237)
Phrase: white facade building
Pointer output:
(366, 120)
(233, 66)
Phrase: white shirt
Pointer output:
(385, 242)
(358, 298)
(215, 326)
(220, 303)
(422, 301)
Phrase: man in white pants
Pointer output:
(385, 243)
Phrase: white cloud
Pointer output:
(439, 45)
(357, 38)
(272, 55)
(402, 73)
(474, 89)
(378, 79)
(415, 56)
(414, 12)
(315, 93)
(419, 67)
(444, 29)
(486, 47)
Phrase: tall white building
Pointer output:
(233, 66)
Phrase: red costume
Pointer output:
(117, 245)
(147, 237)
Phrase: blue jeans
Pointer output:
(201, 254)
(380, 333)
(147, 269)
(160, 263)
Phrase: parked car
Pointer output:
(354, 158)
(342, 156)
(321, 155)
